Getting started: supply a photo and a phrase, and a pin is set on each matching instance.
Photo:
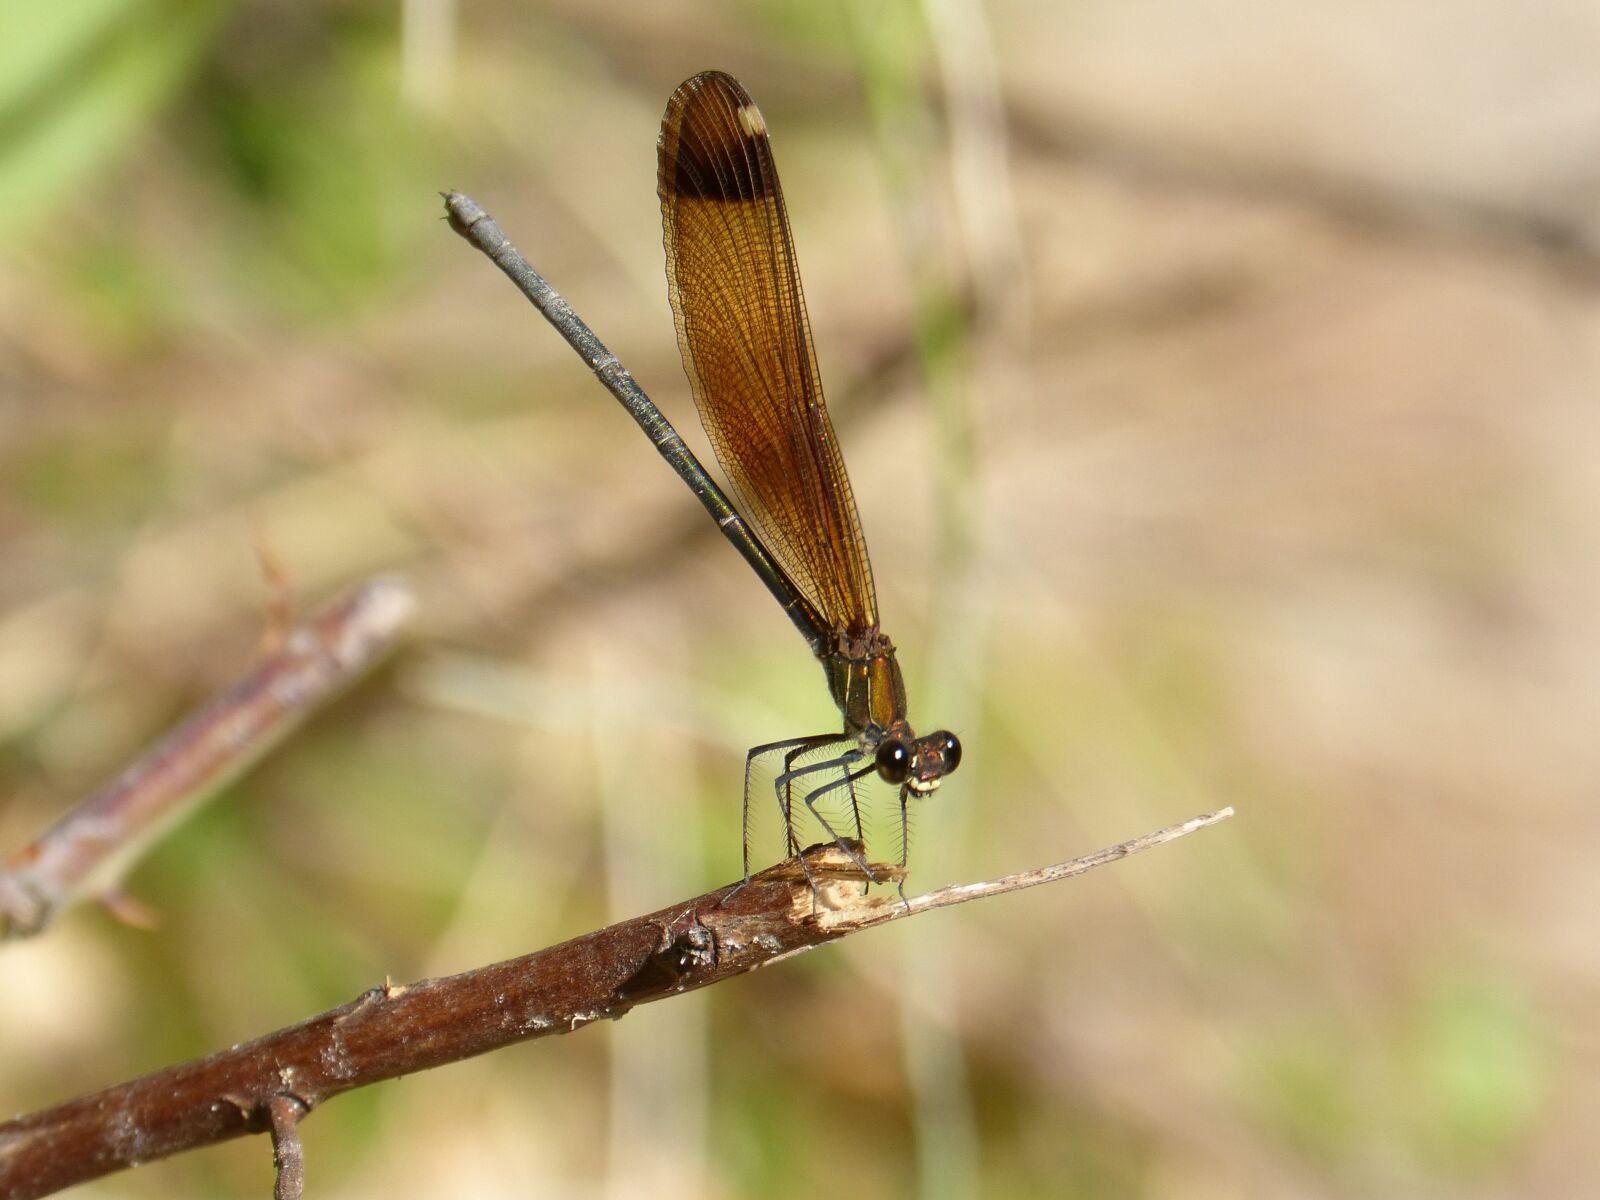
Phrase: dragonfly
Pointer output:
(747, 349)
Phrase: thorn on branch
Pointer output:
(280, 590)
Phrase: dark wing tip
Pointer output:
(714, 142)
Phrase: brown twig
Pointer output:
(392, 1030)
(87, 851)
(288, 1155)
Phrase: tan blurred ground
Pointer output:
(1283, 352)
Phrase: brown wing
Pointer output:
(747, 348)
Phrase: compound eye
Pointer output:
(893, 761)
(950, 752)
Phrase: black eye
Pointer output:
(893, 761)
(950, 752)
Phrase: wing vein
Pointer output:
(746, 342)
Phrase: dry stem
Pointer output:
(400, 1030)
(86, 852)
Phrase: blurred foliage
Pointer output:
(1458, 1080)
(329, 166)
(78, 80)
(47, 476)
(1476, 1068)
(1254, 520)
(1301, 1085)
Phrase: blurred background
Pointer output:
(1217, 383)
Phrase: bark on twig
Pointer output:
(288, 1155)
(86, 852)
(400, 1030)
